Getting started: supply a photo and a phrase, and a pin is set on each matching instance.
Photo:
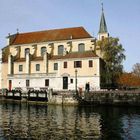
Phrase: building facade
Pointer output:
(62, 59)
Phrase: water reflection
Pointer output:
(19, 121)
(119, 123)
(40, 122)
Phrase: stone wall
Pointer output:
(61, 97)
(112, 98)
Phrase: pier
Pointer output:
(43, 95)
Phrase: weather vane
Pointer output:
(102, 6)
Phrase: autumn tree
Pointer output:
(129, 80)
(113, 55)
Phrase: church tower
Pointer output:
(103, 33)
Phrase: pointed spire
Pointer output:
(103, 27)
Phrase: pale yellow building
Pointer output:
(62, 59)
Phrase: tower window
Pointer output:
(103, 37)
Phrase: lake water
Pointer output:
(52, 122)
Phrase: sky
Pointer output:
(122, 18)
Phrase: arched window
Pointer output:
(43, 50)
(81, 47)
(60, 50)
(27, 50)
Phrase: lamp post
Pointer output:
(2, 86)
(76, 81)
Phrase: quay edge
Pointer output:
(112, 98)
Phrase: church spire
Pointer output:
(103, 26)
(103, 33)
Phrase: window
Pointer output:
(71, 81)
(77, 64)
(60, 50)
(65, 64)
(20, 67)
(43, 50)
(37, 67)
(81, 47)
(55, 66)
(27, 50)
(90, 62)
(46, 82)
(27, 83)
(103, 37)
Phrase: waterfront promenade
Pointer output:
(114, 97)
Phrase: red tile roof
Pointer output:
(49, 35)
(85, 54)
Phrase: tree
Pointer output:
(129, 80)
(113, 55)
(136, 69)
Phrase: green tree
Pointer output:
(113, 55)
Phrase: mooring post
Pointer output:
(46, 95)
(28, 94)
(13, 93)
(50, 94)
(20, 93)
(37, 93)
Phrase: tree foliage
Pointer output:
(129, 80)
(113, 55)
(136, 69)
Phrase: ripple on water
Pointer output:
(47, 122)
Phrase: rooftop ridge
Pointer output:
(55, 29)
(50, 35)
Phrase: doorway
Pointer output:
(10, 85)
(65, 82)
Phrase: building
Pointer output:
(62, 59)
(0, 69)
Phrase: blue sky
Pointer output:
(122, 17)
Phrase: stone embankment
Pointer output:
(40, 96)
(118, 98)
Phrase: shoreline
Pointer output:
(94, 98)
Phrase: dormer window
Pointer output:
(60, 50)
(27, 50)
(43, 50)
(81, 47)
